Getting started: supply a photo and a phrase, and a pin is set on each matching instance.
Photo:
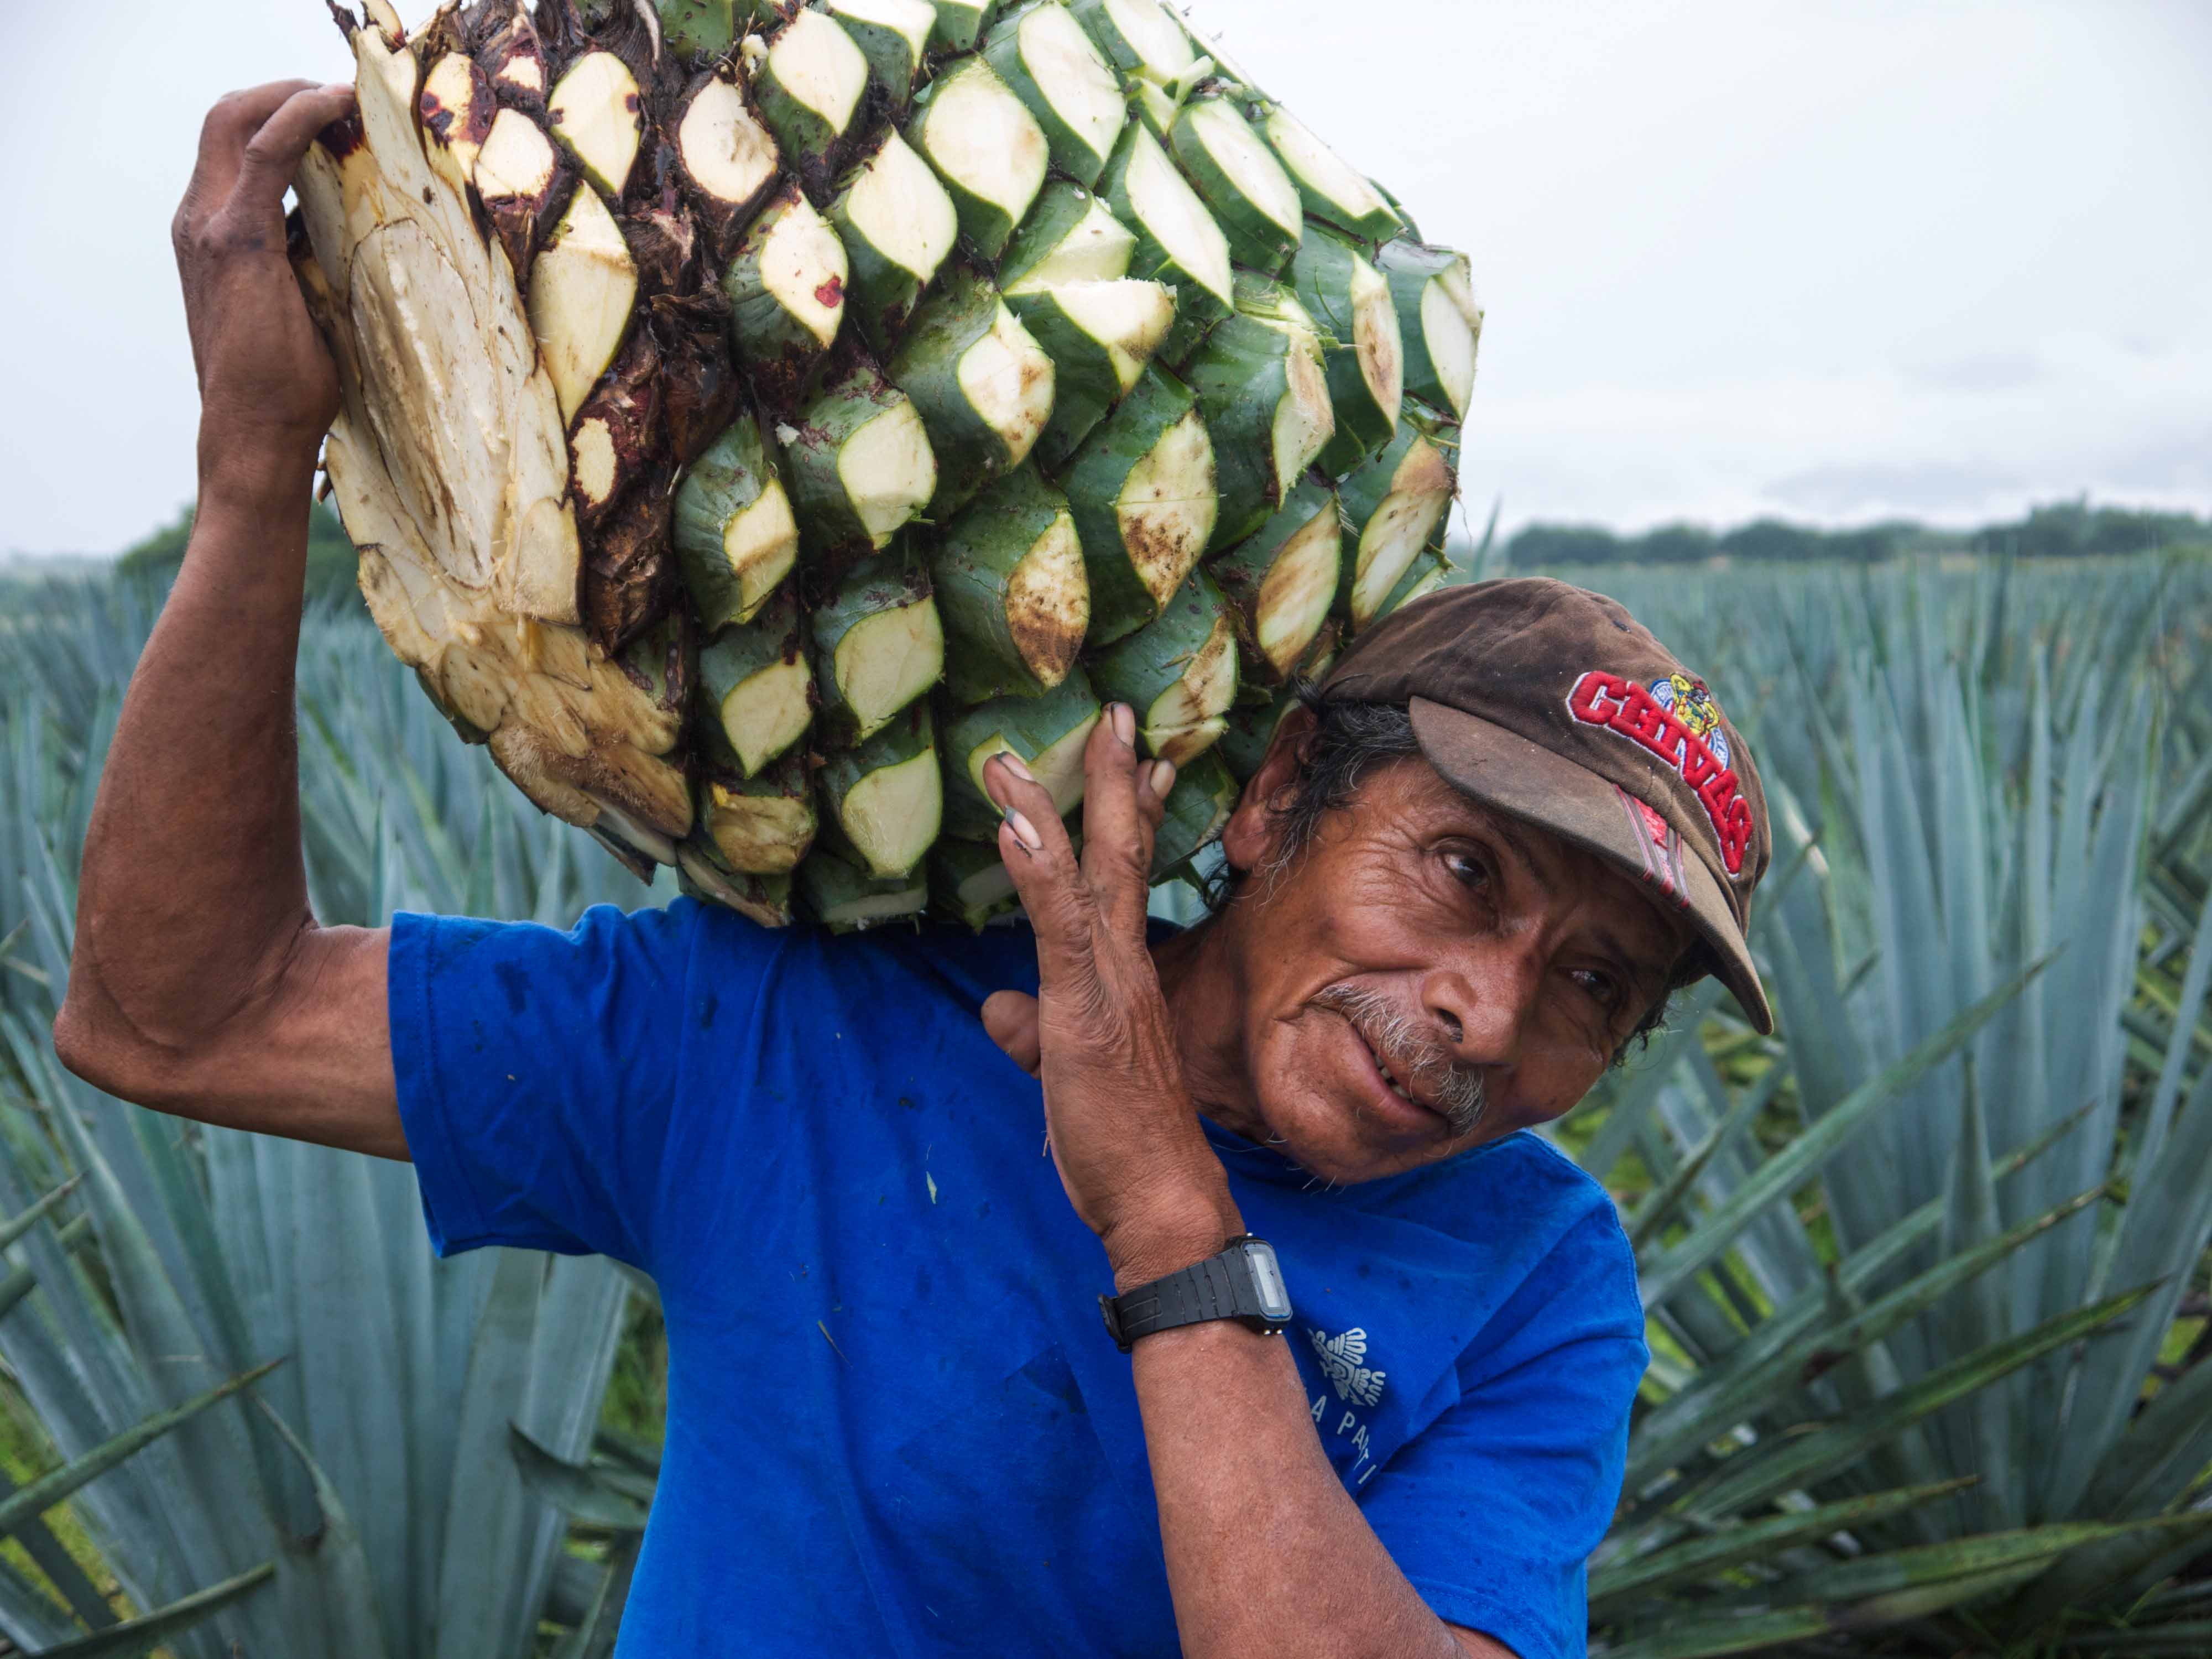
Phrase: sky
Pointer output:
(1836, 260)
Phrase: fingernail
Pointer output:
(1013, 763)
(1125, 724)
(1025, 831)
(1164, 776)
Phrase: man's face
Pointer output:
(1423, 947)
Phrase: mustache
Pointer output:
(1417, 1057)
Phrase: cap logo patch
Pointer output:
(1661, 844)
(1627, 708)
(1689, 702)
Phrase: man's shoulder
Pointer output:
(704, 951)
(1524, 1205)
(1520, 1177)
(955, 963)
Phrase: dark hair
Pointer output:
(1347, 741)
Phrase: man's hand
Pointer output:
(1124, 1132)
(268, 389)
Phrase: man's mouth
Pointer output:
(1433, 1086)
(1383, 1065)
(1404, 1084)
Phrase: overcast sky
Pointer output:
(1836, 259)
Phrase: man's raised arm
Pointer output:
(201, 984)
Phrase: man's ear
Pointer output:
(1249, 840)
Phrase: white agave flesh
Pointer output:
(1305, 419)
(581, 289)
(1008, 382)
(982, 138)
(450, 470)
(898, 205)
(1254, 174)
(892, 815)
(1321, 167)
(1450, 318)
(1167, 506)
(1097, 251)
(1374, 336)
(1067, 68)
(1058, 766)
(885, 661)
(1297, 591)
(1177, 219)
(766, 713)
(761, 542)
(516, 160)
(728, 153)
(1186, 718)
(595, 110)
(1048, 602)
(453, 126)
(816, 62)
(1129, 318)
(888, 470)
(1155, 36)
(801, 261)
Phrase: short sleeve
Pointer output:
(1492, 1511)
(540, 1075)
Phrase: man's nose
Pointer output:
(1482, 1007)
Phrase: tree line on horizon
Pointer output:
(2072, 529)
(2060, 530)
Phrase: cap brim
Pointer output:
(1503, 769)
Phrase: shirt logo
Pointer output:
(1339, 1358)
(1673, 734)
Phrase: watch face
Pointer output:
(1267, 1279)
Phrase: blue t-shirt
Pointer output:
(895, 1423)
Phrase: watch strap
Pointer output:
(1219, 1287)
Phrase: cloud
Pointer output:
(1878, 489)
(1989, 371)
(1836, 257)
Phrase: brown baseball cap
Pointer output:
(1553, 704)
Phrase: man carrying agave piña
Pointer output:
(1473, 866)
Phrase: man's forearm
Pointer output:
(192, 881)
(1266, 1554)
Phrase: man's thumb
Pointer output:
(1010, 1018)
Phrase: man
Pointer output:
(1468, 873)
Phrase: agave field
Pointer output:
(384, 1484)
(1925, 1270)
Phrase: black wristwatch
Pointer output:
(1243, 1283)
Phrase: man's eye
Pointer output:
(1468, 870)
(1603, 987)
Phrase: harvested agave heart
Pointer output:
(757, 415)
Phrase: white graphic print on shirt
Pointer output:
(1339, 1361)
(1341, 1357)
